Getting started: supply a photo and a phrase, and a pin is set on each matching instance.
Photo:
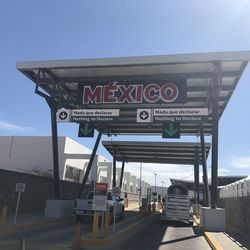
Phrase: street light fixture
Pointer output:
(155, 186)
(162, 189)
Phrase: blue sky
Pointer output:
(59, 29)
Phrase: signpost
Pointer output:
(116, 192)
(86, 129)
(100, 197)
(184, 115)
(171, 130)
(88, 115)
(99, 205)
(161, 115)
(20, 188)
(144, 115)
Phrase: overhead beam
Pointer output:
(93, 154)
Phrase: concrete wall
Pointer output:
(38, 189)
(237, 213)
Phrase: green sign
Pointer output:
(86, 129)
(171, 130)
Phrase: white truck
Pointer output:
(176, 205)
(83, 207)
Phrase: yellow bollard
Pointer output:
(4, 215)
(126, 202)
(95, 226)
(106, 223)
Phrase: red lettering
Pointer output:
(101, 186)
(109, 93)
(138, 93)
(126, 94)
(169, 92)
(151, 93)
(90, 96)
(115, 93)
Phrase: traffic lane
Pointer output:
(155, 235)
(182, 236)
(42, 237)
(52, 236)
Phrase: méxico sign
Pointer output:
(114, 92)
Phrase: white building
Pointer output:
(33, 154)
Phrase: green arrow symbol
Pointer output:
(171, 131)
(86, 130)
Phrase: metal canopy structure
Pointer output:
(207, 79)
(156, 152)
(60, 80)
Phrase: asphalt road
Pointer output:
(50, 237)
(155, 235)
(151, 235)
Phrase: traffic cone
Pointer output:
(22, 243)
(78, 241)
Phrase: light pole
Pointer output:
(162, 190)
(140, 184)
(155, 186)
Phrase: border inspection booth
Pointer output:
(147, 95)
(180, 153)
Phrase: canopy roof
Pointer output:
(222, 181)
(156, 152)
(61, 79)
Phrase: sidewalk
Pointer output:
(221, 240)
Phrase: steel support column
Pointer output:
(92, 157)
(196, 177)
(114, 169)
(53, 109)
(215, 129)
(204, 167)
(122, 171)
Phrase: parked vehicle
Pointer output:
(177, 205)
(83, 207)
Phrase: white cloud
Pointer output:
(5, 125)
(224, 171)
(242, 162)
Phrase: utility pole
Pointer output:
(140, 184)
(162, 189)
(155, 186)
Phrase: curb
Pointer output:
(90, 242)
(212, 242)
(8, 229)
(209, 238)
